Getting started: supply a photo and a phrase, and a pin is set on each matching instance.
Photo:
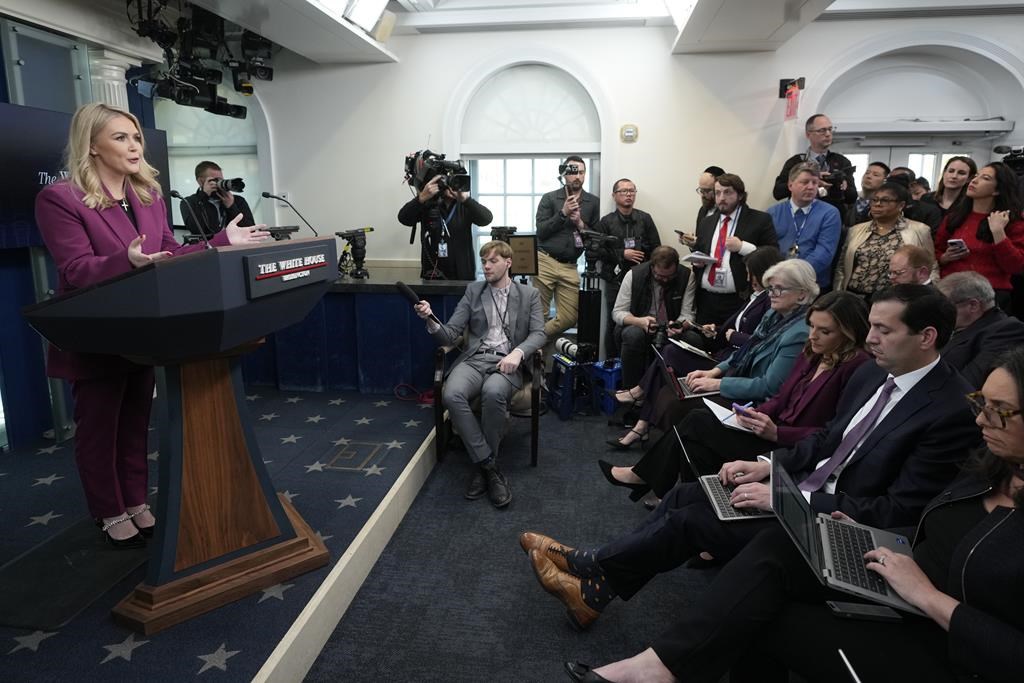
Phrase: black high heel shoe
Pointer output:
(619, 446)
(146, 531)
(578, 671)
(636, 491)
(130, 543)
(632, 400)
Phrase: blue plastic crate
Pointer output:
(606, 379)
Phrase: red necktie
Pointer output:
(723, 234)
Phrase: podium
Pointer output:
(222, 532)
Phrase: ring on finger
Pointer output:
(881, 560)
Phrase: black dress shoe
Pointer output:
(498, 488)
(582, 672)
(636, 491)
(130, 543)
(477, 487)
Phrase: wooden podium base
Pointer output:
(150, 609)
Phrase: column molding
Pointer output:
(107, 72)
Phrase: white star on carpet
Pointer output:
(291, 438)
(289, 495)
(218, 659)
(47, 480)
(155, 455)
(341, 442)
(335, 401)
(49, 450)
(347, 502)
(316, 419)
(123, 649)
(275, 591)
(293, 399)
(323, 539)
(31, 641)
(252, 397)
(269, 416)
(363, 421)
(382, 404)
(412, 423)
(153, 490)
(394, 444)
(315, 467)
(43, 519)
(373, 469)
(426, 405)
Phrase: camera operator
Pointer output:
(836, 186)
(652, 294)
(637, 238)
(561, 214)
(446, 219)
(214, 205)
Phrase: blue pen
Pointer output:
(739, 409)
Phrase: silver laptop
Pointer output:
(678, 384)
(718, 493)
(835, 549)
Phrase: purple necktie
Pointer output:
(820, 476)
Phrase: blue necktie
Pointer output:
(799, 217)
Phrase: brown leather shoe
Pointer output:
(548, 546)
(566, 588)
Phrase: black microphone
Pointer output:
(267, 195)
(195, 219)
(405, 291)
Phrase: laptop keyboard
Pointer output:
(849, 543)
(722, 493)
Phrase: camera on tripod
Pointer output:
(229, 185)
(421, 167)
(1014, 157)
(353, 256)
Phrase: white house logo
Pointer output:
(46, 178)
(291, 269)
(285, 268)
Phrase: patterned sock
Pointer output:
(581, 563)
(596, 590)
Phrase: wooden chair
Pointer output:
(524, 403)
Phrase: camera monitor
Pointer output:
(524, 254)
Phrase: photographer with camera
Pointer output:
(836, 186)
(446, 214)
(214, 205)
(637, 236)
(655, 296)
(561, 215)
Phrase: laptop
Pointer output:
(835, 549)
(718, 493)
(676, 383)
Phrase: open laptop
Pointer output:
(676, 383)
(835, 549)
(718, 493)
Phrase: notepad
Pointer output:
(726, 417)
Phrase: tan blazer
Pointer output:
(913, 232)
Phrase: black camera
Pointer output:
(501, 233)
(230, 185)
(837, 176)
(423, 166)
(1014, 158)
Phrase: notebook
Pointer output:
(835, 549)
(718, 493)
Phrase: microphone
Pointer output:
(195, 219)
(405, 291)
(267, 195)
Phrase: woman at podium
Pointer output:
(106, 218)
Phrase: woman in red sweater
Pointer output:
(984, 232)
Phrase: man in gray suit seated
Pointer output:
(503, 325)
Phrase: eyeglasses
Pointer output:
(703, 190)
(822, 131)
(893, 274)
(625, 191)
(882, 200)
(976, 400)
(779, 291)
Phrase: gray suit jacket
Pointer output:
(525, 321)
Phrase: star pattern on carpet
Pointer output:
(276, 591)
(347, 502)
(49, 450)
(289, 495)
(394, 444)
(315, 467)
(323, 539)
(381, 404)
(425, 405)
(153, 490)
(335, 401)
(363, 421)
(252, 397)
(316, 419)
(31, 641)
(291, 438)
(412, 423)
(155, 455)
(217, 659)
(341, 442)
(123, 650)
(44, 519)
(47, 480)
(267, 417)
(293, 399)
(373, 469)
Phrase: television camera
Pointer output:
(421, 167)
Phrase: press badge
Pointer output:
(630, 242)
(720, 277)
(442, 250)
(578, 239)
(794, 251)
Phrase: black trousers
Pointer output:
(764, 613)
(716, 308)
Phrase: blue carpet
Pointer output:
(335, 455)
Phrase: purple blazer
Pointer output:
(801, 409)
(90, 246)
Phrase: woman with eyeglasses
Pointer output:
(985, 233)
(952, 187)
(864, 266)
(764, 614)
(757, 369)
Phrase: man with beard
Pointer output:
(706, 190)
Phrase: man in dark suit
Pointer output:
(733, 232)
(212, 206)
(502, 323)
(983, 331)
(900, 431)
(706, 190)
(837, 187)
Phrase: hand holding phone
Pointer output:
(956, 244)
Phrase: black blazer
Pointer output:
(752, 226)
(974, 349)
(744, 331)
(905, 461)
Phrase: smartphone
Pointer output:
(957, 244)
(859, 610)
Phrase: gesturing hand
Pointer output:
(249, 235)
(139, 259)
